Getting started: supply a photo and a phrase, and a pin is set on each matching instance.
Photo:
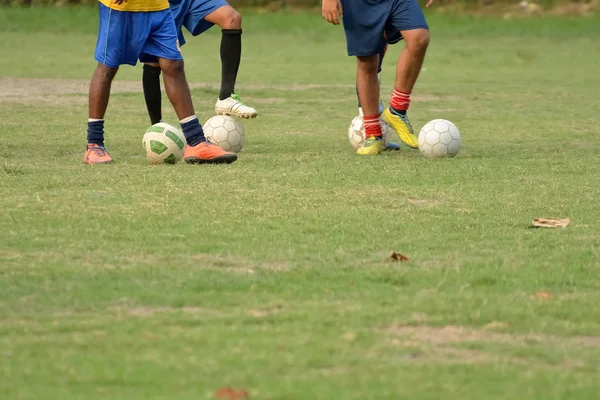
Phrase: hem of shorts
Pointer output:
(114, 66)
(412, 28)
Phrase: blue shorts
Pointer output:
(370, 24)
(191, 14)
(124, 37)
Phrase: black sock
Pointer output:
(381, 55)
(231, 54)
(403, 112)
(193, 132)
(95, 132)
(151, 85)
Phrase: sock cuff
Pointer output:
(231, 31)
(152, 68)
(401, 93)
(371, 118)
(188, 119)
(95, 120)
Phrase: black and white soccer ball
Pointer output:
(226, 132)
(439, 138)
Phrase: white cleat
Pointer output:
(234, 106)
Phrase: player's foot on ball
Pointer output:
(233, 105)
(391, 146)
(402, 126)
(373, 146)
(207, 153)
(95, 154)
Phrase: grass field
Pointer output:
(132, 281)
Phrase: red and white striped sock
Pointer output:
(400, 101)
(372, 126)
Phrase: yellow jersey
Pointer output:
(137, 5)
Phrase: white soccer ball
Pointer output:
(164, 144)
(439, 138)
(226, 132)
(356, 131)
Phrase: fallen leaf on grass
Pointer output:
(550, 222)
(543, 295)
(397, 257)
(231, 394)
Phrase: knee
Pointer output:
(368, 64)
(418, 42)
(106, 74)
(231, 20)
(171, 67)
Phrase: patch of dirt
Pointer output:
(265, 311)
(74, 91)
(148, 311)
(424, 203)
(456, 334)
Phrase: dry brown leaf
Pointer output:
(231, 394)
(397, 257)
(551, 222)
(543, 295)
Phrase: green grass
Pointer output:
(133, 281)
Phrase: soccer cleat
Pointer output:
(373, 146)
(207, 153)
(96, 154)
(233, 106)
(401, 125)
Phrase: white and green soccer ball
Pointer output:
(164, 144)
(226, 132)
(439, 138)
(356, 131)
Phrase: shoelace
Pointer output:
(99, 151)
(404, 118)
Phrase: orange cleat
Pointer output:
(95, 154)
(207, 153)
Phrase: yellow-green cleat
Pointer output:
(372, 146)
(401, 125)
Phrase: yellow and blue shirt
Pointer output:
(137, 5)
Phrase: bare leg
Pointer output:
(177, 87)
(367, 84)
(411, 59)
(100, 90)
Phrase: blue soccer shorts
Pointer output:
(370, 24)
(191, 14)
(125, 37)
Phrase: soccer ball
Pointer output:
(163, 144)
(226, 132)
(439, 138)
(356, 131)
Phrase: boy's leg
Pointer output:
(202, 15)
(162, 43)
(364, 25)
(379, 69)
(199, 150)
(99, 94)
(407, 18)
(368, 93)
(109, 55)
